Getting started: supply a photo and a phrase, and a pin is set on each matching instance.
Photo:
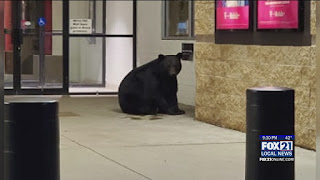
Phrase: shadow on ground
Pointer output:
(187, 108)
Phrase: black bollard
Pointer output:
(270, 134)
(31, 139)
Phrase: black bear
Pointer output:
(152, 88)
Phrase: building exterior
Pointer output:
(150, 44)
(126, 34)
(225, 71)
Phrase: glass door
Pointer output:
(34, 47)
(102, 44)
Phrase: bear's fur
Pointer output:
(152, 88)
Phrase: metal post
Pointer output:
(270, 134)
(2, 59)
(32, 139)
(42, 65)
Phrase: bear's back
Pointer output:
(141, 71)
(136, 77)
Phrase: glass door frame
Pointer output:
(17, 90)
(2, 134)
(16, 42)
(104, 37)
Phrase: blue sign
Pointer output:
(42, 21)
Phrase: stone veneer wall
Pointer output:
(224, 72)
(318, 90)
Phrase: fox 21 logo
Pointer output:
(276, 146)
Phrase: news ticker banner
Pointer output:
(276, 147)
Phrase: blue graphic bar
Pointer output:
(276, 137)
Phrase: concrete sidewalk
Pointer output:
(98, 142)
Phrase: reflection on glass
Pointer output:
(91, 9)
(85, 61)
(119, 60)
(31, 64)
(178, 18)
(54, 64)
(119, 17)
(37, 72)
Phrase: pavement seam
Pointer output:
(105, 157)
(188, 144)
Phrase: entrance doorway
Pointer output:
(34, 61)
(45, 55)
(101, 57)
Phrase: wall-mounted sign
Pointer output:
(278, 14)
(80, 26)
(187, 51)
(42, 21)
(232, 14)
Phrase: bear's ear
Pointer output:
(179, 55)
(160, 56)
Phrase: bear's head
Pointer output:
(171, 63)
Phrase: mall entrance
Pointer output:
(68, 47)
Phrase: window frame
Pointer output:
(164, 17)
